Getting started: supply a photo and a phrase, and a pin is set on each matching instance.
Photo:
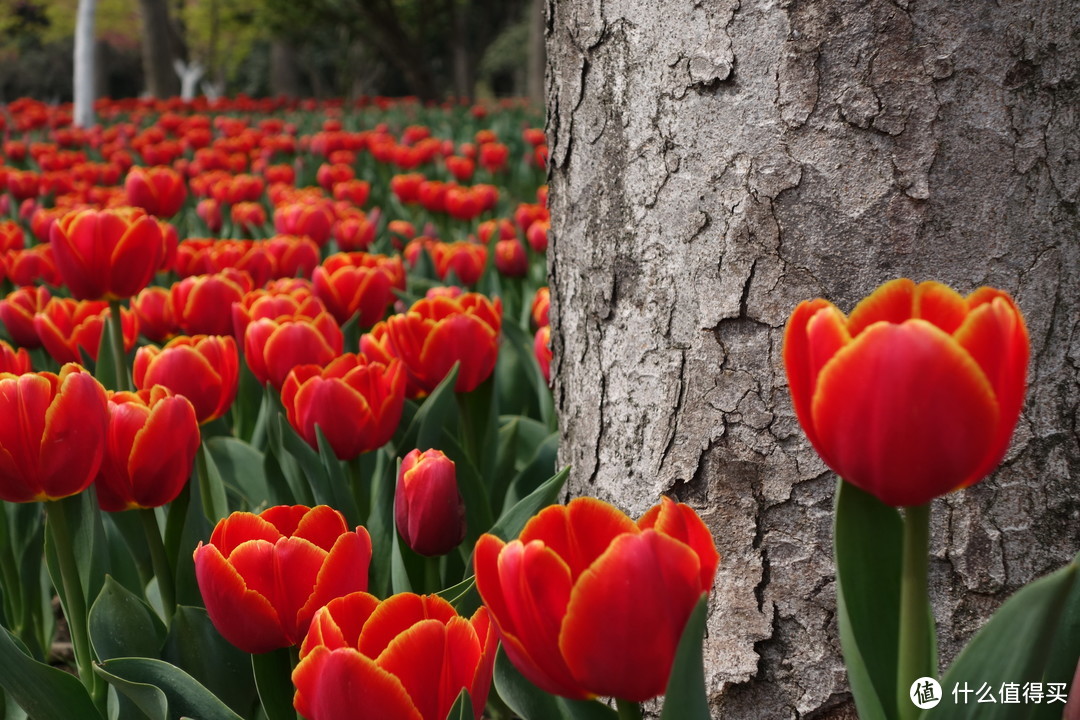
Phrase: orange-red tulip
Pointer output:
(542, 350)
(589, 603)
(370, 394)
(67, 326)
(149, 450)
(17, 312)
(437, 332)
(204, 369)
(428, 509)
(16, 362)
(916, 393)
(154, 312)
(541, 304)
(273, 347)
(510, 258)
(351, 283)
(107, 254)
(200, 303)
(405, 658)
(158, 190)
(314, 219)
(53, 436)
(262, 577)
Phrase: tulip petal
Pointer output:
(242, 616)
(940, 305)
(286, 518)
(345, 685)
(239, 528)
(285, 574)
(996, 337)
(322, 525)
(344, 571)
(579, 532)
(73, 441)
(627, 613)
(163, 452)
(682, 523)
(802, 361)
(340, 622)
(904, 413)
(893, 303)
(396, 615)
(526, 588)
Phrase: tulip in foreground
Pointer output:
(53, 434)
(405, 658)
(205, 369)
(263, 577)
(589, 603)
(149, 450)
(106, 254)
(913, 395)
(428, 509)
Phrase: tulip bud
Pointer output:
(428, 509)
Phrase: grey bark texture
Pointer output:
(715, 162)
(84, 81)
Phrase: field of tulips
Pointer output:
(271, 374)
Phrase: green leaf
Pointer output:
(122, 624)
(536, 471)
(242, 467)
(869, 546)
(686, 698)
(44, 692)
(474, 493)
(273, 678)
(211, 486)
(513, 520)
(1013, 647)
(462, 708)
(532, 703)
(183, 694)
(427, 424)
(399, 574)
(338, 486)
(381, 526)
(1064, 653)
(146, 698)
(195, 646)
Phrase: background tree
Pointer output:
(161, 45)
(714, 163)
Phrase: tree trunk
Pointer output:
(712, 164)
(284, 75)
(158, 42)
(85, 76)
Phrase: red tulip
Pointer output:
(67, 326)
(204, 369)
(278, 305)
(351, 283)
(16, 362)
(11, 236)
(914, 395)
(154, 312)
(467, 260)
(158, 190)
(106, 254)
(437, 332)
(32, 266)
(371, 394)
(209, 211)
(149, 450)
(17, 312)
(537, 235)
(273, 347)
(542, 350)
(510, 258)
(540, 305)
(428, 509)
(292, 256)
(52, 439)
(313, 219)
(589, 603)
(407, 657)
(200, 303)
(263, 577)
(354, 191)
(248, 217)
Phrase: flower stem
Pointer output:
(915, 659)
(116, 332)
(628, 710)
(162, 570)
(74, 603)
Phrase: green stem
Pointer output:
(116, 332)
(74, 603)
(361, 490)
(915, 659)
(162, 570)
(432, 576)
(628, 710)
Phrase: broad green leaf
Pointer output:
(211, 486)
(241, 465)
(686, 698)
(513, 520)
(532, 703)
(432, 416)
(123, 625)
(147, 698)
(380, 526)
(399, 574)
(478, 517)
(273, 678)
(44, 692)
(479, 411)
(184, 695)
(1013, 647)
(338, 488)
(462, 708)
(869, 546)
(542, 463)
(1064, 653)
(194, 645)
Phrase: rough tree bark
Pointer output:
(715, 162)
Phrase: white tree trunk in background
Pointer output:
(84, 80)
(715, 162)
